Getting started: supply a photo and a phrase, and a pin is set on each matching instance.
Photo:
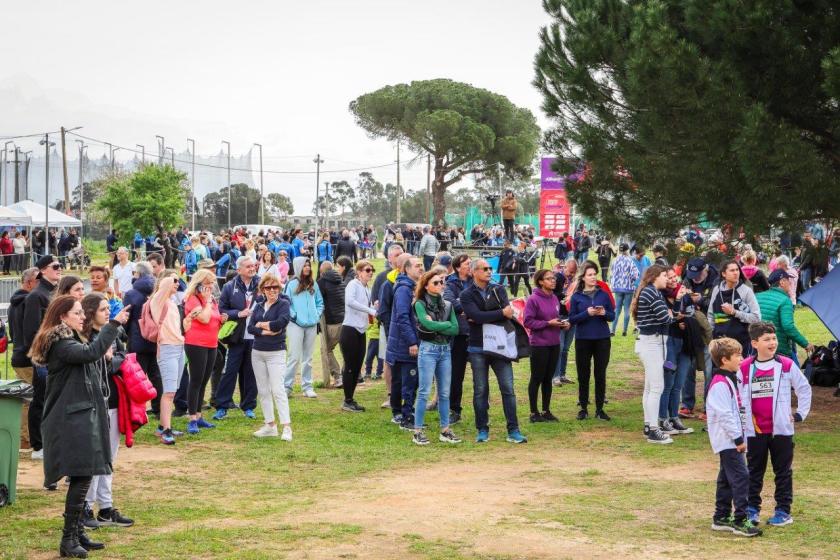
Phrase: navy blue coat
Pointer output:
(277, 317)
(452, 294)
(402, 333)
(140, 291)
(480, 309)
(232, 300)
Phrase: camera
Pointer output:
(492, 198)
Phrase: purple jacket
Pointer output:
(539, 310)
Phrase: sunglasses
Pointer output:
(55, 266)
(369, 270)
(487, 268)
(436, 282)
(265, 288)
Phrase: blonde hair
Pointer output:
(721, 348)
(269, 278)
(749, 257)
(201, 275)
(362, 264)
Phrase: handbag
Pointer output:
(231, 332)
(505, 339)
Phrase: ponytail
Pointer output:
(651, 273)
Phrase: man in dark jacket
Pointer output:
(391, 264)
(34, 307)
(456, 283)
(346, 247)
(20, 361)
(404, 343)
(486, 302)
(146, 351)
(332, 291)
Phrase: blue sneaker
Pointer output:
(780, 519)
(250, 414)
(192, 427)
(202, 423)
(482, 437)
(167, 438)
(752, 515)
(516, 437)
(220, 414)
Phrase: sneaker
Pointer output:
(310, 394)
(677, 424)
(516, 437)
(549, 417)
(556, 382)
(338, 384)
(192, 427)
(601, 415)
(249, 414)
(685, 412)
(582, 414)
(746, 529)
(432, 406)
(202, 423)
(351, 406)
(88, 520)
(726, 524)
(397, 419)
(752, 515)
(407, 424)
(386, 403)
(566, 381)
(111, 517)
(167, 438)
(361, 380)
(454, 417)
(448, 437)
(780, 519)
(624, 333)
(536, 417)
(220, 414)
(52, 487)
(38, 455)
(419, 438)
(287, 433)
(483, 436)
(176, 433)
(657, 436)
(266, 431)
(666, 427)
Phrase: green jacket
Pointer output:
(777, 308)
(440, 331)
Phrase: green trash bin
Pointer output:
(11, 402)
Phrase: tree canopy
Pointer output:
(678, 110)
(467, 130)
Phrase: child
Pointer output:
(766, 381)
(726, 434)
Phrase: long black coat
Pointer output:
(75, 424)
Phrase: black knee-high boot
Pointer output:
(74, 541)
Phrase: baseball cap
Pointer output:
(694, 268)
(777, 275)
(445, 260)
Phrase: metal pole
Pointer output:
(46, 143)
(399, 209)
(172, 159)
(318, 161)
(81, 187)
(64, 170)
(114, 161)
(17, 174)
(192, 180)
(262, 199)
(327, 203)
(3, 168)
(6, 169)
(142, 151)
(228, 178)
(161, 144)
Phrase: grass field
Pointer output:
(354, 486)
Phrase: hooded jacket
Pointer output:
(19, 350)
(325, 252)
(34, 307)
(307, 306)
(746, 311)
(386, 300)
(540, 308)
(788, 376)
(402, 332)
(726, 430)
(332, 293)
(140, 291)
(756, 277)
(452, 294)
(588, 327)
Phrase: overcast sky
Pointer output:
(278, 72)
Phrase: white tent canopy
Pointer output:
(9, 217)
(38, 214)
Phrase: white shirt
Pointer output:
(19, 244)
(272, 269)
(124, 275)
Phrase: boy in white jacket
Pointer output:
(765, 384)
(726, 434)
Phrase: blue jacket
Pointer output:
(306, 308)
(222, 265)
(386, 301)
(325, 251)
(191, 262)
(402, 332)
(285, 246)
(297, 247)
(277, 317)
(140, 291)
(452, 294)
(591, 327)
(232, 300)
(483, 308)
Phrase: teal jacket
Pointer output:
(777, 308)
(306, 308)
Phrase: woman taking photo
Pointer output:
(652, 317)
(170, 354)
(542, 317)
(97, 311)
(267, 265)
(75, 426)
(305, 311)
(71, 286)
(202, 322)
(436, 325)
(684, 341)
(591, 311)
(358, 313)
(268, 357)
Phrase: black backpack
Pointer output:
(823, 367)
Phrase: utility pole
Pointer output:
(17, 174)
(5, 170)
(161, 144)
(262, 196)
(318, 161)
(192, 180)
(81, 187)
(327, 203)
(228, 178)
(64, 170)
(46, 143)
(399, 203)
(142, 151)
(172, 150)
(429, 186)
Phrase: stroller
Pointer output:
(78, 258)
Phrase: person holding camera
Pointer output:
(509, 213)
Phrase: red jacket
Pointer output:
(6, 246)
(134, 390)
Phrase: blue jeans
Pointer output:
(503, 369)
(238, 367)
(688, 386)
(566, 339)
(434, 362)
(669, 403)
(805, 278)
(622, 301)
(373, 352)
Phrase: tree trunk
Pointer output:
(439, 194)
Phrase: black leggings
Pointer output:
(202, 360)
(586, 352)
(76, 492)
(543, 363)
(352, 344)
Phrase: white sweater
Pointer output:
(357, 306)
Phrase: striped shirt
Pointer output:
(652, 315)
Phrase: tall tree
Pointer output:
(244, 205)
(279, 206)
(678, 110)
(467, 130)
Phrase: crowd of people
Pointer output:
(246, 310)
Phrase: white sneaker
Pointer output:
(266, 431)
(287, 433)
(310, 394)
(38, 455)
(386, 404)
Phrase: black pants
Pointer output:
(543, 363)
(587, 352)
(218, 369)
(36, 408)
(508, 224)
(352, 344)
(74, 502)
(780, 450)
(732, 484)
(148, 361)
(202, 361)
(396, 388)
(459, 369)
(520, 277)
(604, 269)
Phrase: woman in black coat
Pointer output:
(75, 422)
